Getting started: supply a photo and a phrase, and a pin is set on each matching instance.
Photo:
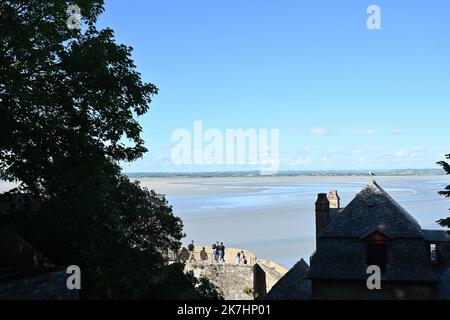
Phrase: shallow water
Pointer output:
(274, 217)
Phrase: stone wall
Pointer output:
(444, 255)
(346, 258)
(234, 282)
(342, 290)
(50, 286)
(259, 282)
(34, 276)
(244, 282)
(273, 271)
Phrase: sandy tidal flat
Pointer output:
(274, 216)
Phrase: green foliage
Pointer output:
(69, 103)
(64, 92)
(207, 290)
(446, 192)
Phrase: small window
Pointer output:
(433, 253)
(377, 255)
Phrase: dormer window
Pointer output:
(377, 249)
(377, 255)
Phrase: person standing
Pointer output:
(191, 249)
(243, 258)
(217, 251)
(214, 252)
(203, 255)
(220, 252)
(223, 252)
(238, 260)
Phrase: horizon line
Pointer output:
(435, 171)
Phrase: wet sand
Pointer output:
(274, 216)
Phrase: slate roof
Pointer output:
(293, 286)
(334, 213)
(371, 210)
(436, 235)
(341, 253)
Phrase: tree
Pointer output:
(446, 192)
(69, 104)
(64, 93)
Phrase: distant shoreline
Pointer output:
(251, 174)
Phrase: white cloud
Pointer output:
(299, 161)
(394, 132)
(319, 132)
(163, 158)
(384, 152)
(332, 151)
(357, 151)
(367, 132)
(167, 145)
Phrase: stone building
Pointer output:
(372, 230)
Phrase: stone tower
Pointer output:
(322, 212)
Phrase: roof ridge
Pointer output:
(398, 205)
(373, 207)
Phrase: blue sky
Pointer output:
(342, 96)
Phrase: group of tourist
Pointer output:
(241, 259)
(218, 254)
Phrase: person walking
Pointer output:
(191, 249)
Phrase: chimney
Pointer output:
(322, 212)
(334, 199)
